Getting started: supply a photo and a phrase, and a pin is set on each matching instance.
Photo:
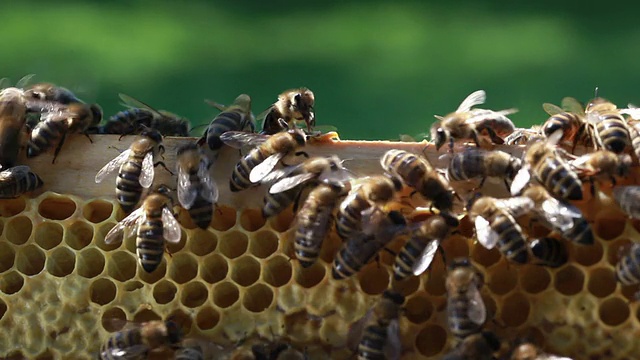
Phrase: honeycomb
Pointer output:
(62, 287)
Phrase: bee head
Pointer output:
(151, 133)
(298, 136)
(96, 111)
(461, 262)
(625, 165)
(174, 333)
(439, 137)
(394, 296)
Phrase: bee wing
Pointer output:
(170, 226)
(240, 139)
(521, 180)
(129, 222)
(580, 161)
(129, 353)
(552, 109)
(486, 236)
(572, 105)
(215, 105)
(560, 214)
(24, 81)
(357, 329)
(393, 347)
(276, 175)
(290, 182)
(475, 98)
(517, 205)
(209, 189)
(187, 193)
(632, 111)
(112, 165)
(134, 103)
(426, 257)
(554, 138)
(146, 174)
(265, 167)
(477, 312)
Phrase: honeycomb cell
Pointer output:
(79, 235)
(56, 207)
(7, 256)
(407, 286)
(47, 355)
(483, 256)
(308, 277)
(233, 244)
(418, 309)
(608, 228)
(202, 242)
(173, 248)
(102, 291)
(374, 279)
(146, 315)
(456, 246)
(61, 262)
(101, 233)
(3, 308)
(194, 294)
(113, 319)
(569, 280)
(207, 318)
(12, 207)
(122, 266)
(431, 340)
(11, 282)
(183, 217)
(613, 311)
(631, 292)
(251, 219)
(602, 282)
(133, 285)
(18, 230)
(277, 271)
(183, 267)
(245, 271)
(213, 268)
(225, 294)
(501, 279)
(434, 285)
(30, 260)
(97, 211)
(635, 223)
(182, 319)
(515, 309)
(282, 222)
(90, 263)
(263, 244)
(588, 255)
(257, 298)
(164, 292)
(224, 218)
(48, 235)
(534, 279)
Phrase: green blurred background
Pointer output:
(378, 69)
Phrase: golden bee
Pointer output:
(478, 346)
(51, 92)
(549, 252)
(466, 123)
(633, 125)
(140, 115)
(18, 180)
(276, 350)
(292, 105)
(608, 125)
(235, 117)
(628, 199)
(628, 267)
(602, 164)
(12, 125)
(154, 224)
(522, 136)
(569, 120)
(475, 163)
(526, 350)
(197, 192)
(140, 340)
(135, 168)
(466, 312)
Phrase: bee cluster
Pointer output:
(411, 200)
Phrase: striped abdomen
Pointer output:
(150, 241)
(511, 242)
(628, 268)
(277, 203)
(407, 257)
(406, 165)
(353, 255)
(240, 176)
(634, 135)
(568, 122)
(559, 179)
(458, 319)
(312, 226)
(201, 212)
(612, 133)
(225, 121)
(44, 135)
(580, 233)
(193, 352)
(128, 121)
(466, 165)
(349, 218)
(549, 251)
(119, 342)
(374, 339)
(128, 188)
(19, 184)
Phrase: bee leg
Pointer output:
(444, 257)
(88, 137)
(506, 184)
(161, 163)
(161, 150)
(296, 202)
(393, 253)
(474, 136)
(58, 148)
(494, 137)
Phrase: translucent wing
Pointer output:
(215, 105)
(581, 161)
(279, 174)
(393, 347)
(521, 180)
(552, 109)
(240, 139)
(112, 165)
(357, 329)
(209, 189)
(187, 193)
(134, 103)
(426, 257)
(265, 167)
(146, 174)
(475, 98)
(5, 83)
(554, 138)
(477, 312)
(24, 81)
(572, 105)
(131, 221)
(128, 353)
(560, 214)
(486, 236)
(517, 205)
(170, 226)
(632, 111)
(290, 182)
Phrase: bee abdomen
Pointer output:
(277, 203)
(551, 252)
(43, 137)
(580, 233)
(240, 176)
(127, 121)
(345, 264)
(562, 121)
(373, 342)
(628, 268)
(201, 212)
(120, 341)
(405, 260)
(128, 188)
(150, 244)
(225, 121)
(465, 166)
(511, 242)
(613, 133)
(560, 180)
(459, 323)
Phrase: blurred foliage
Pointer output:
(378, 69)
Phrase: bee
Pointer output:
(140, 340)
(628, 198)
(560, 216)
(135, 168)
(370, 191)
(380, 228)
(528, 351)
(12, 130)
(261, 160)
(495, 225)
(475, 163)
(235, 117)
(549, 252)
(628, 267)
(602, 163)
(542, 159)
(468, 123)
(522, 136)
(197, 192)
(478, 346)
(140, 115)
(633, 125)
(292, 105)
(569, 122)
(276, 351)
(51, 92)
(610, 128)
(466, 312)
(18, 180)
(154, 224)
(418, 252)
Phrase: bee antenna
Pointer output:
(596, 92)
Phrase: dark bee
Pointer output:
(275, 350)
(528, 351)
(495, 225)
(610, 128)
(154, 224)
(135, 168)
(466, 312)
(235, 117)
(468, 123)
(633, 125)
(565, 120)
(292, 105)
(18, 180)
(628, 267)
(522, 136)
(140, 340)
(628, 198)
(51, 92)
(478, 346)
(140, 116)
(602, 164)
(12, 125)
(549, 252)
(475, 163)
(197, 192)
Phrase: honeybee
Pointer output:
(466, 312)
(633, 125)
(549, 252)
(135, 168)
(628, 198)
(475, 163)
(292, 105)
(417, 254)
(468, 123)
(154, 224)
(51, 92)
(542, 159)
(368, 192)
(140, 115)
(602, 163)
(12, 120)
(266, 154)
(380, 228)
(560, 216)
(628, 267)
(478, 346)
(276, 350)
(141, 339)
(528, 351)
(495, 225)
(235, 117)
(522, 136)
(609, 127)
(18, 180)
(569, 120)
(197, 192)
